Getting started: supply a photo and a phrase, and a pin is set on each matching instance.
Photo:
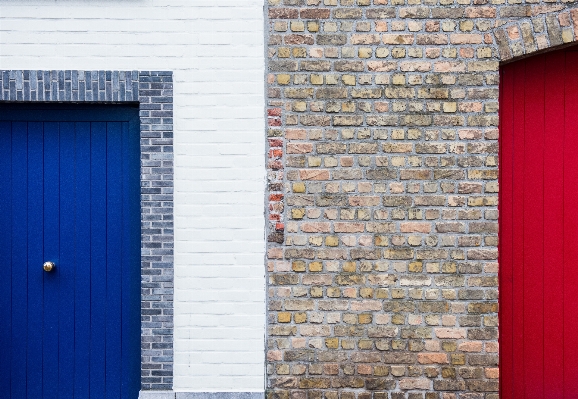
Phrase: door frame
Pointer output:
(153, 92)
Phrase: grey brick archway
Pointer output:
(153, 91)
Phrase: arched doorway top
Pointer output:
(540, 28)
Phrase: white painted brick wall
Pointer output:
(216, 50)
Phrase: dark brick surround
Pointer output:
(154, 93)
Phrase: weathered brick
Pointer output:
(283, 13)
(315, 13)
(384, 138)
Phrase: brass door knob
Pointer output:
(48, 266)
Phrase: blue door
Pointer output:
(71, 199)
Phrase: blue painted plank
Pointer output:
(114, 183)
(51, 252)
(35, 257)
(67, 262)
(98, 259)
(82, 208)
(61, 112)
(131, 261)
(6, 253)
(19, 258)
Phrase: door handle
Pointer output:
(48, 266)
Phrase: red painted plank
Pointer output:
(570, 302)
(534, 227)
(518, 242)
(539, 227)
(553, 227)
(506, 231)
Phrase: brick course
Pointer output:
(154, 93)
(382, 171)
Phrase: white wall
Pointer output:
(216, 50)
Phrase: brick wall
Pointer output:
(215, 50)
(383, 168)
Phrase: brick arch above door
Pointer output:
(534, 29)
(153, 91)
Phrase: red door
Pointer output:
(539, 227)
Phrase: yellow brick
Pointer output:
(398, 79)
(382, 52)
(317, 79)
(314, 162)
(484, 52)
(299, 106)
(381, 241)
(348, 344)
(450, 107)
(567, 36)
(365, 344)
(280, 26)
(312, 26)
(283, 79)
(349, 267)
(300, 317)
(414, 240)
(299, 52)
(331, 79)
(298, 187)
(348, 107)
(297, 213)
(365, 52)
(316, 267)
(348, 80)
(416, 267)
(466, 26)
(284, 52)
(365, 319)
(317, 241)
(297, 26)
(332, 343)
(332, 241)
(298, 266)
(284, 317)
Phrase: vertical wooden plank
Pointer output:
(97, 259)
(35, 257)
(114, 182)
(130, 261)
(534, 228)
(6, 253)
(66, 262)
(19, 258)
(82, 209)
(553, 225)
(506, 231)
(570, 302)
(518, 232)
(51, 252)
(125, 268)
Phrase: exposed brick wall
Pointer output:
(154, 93)
(383, 168)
